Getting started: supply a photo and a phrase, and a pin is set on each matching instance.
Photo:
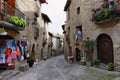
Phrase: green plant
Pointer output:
(89, 47)
(98, 15)
(31, 57)
(30, 60)
(2, 13)
(103, 14)
(2, 30)
(17, 21)
(96, 61)
(110, 66)
(108, 13)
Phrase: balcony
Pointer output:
(11, 17)
(108, 13)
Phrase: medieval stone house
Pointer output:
(106, 32)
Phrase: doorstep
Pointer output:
(7, 74)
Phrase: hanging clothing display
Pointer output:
(12, 49)
(17, 51)
(8, 51)
(2, 55)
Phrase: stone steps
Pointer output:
(103, 66)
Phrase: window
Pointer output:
(78, 35)
(78, 10)
(36, 33)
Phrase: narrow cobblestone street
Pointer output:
(56, 68)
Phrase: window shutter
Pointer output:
(10, 7)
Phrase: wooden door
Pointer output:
(105, 48)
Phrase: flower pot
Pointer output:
(30, 62)
(89, 63)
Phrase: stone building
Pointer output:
(34, 26)
(57, 48)
(106, 32)
(34, 29)
(50, 44)
(59, 45)
(45, 36)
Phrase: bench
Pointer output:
(70, 59)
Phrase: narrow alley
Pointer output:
(56, 68)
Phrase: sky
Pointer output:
(55, 10)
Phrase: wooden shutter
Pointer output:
(10, 7)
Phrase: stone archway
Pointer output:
(105, 48)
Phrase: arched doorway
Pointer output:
(105, 48)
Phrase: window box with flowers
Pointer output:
(107, 12)
(13, 22)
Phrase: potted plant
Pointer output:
(110, 66)
(96, 62)
(17, 21)
(89, 47)
(30, 60)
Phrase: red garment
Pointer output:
(8, 52)
(18, 51)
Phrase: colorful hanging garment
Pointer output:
(13, 55)
(2, 56)
(8, 51)
(22, 50)
(17, 51)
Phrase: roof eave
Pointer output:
(67, 5)
(45, 17)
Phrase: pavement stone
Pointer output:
(117, 78)
(56, 68)
(8, 74)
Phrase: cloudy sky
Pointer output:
(55, 10)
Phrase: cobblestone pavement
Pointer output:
(56, 68)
